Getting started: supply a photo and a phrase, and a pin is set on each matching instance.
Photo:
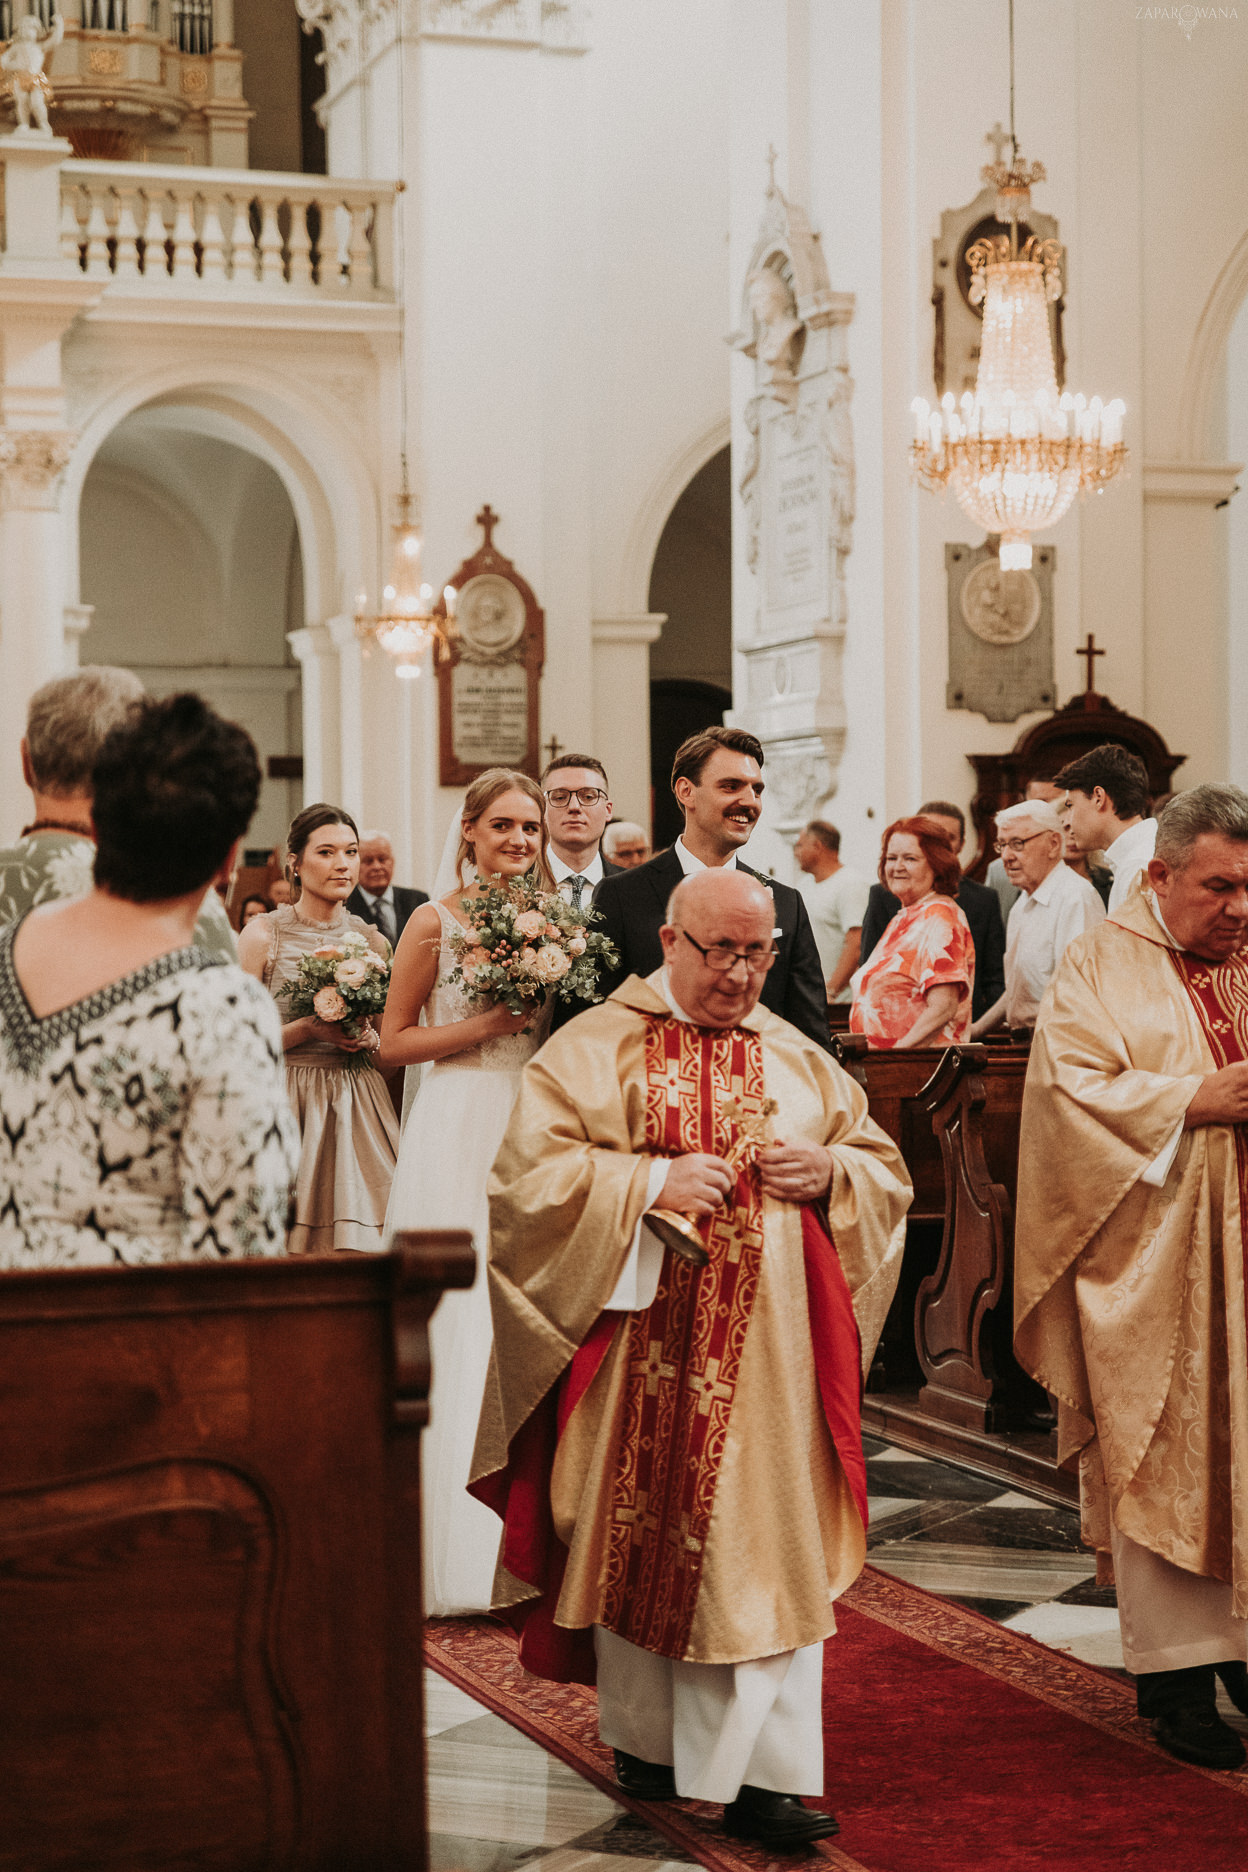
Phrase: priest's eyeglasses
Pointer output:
(721, 958)
(1016, 844)
(587, 795)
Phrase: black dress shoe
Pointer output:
(642, 1779)
(1234, 1677)
(776, 1820)
(1196, 1733)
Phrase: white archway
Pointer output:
(1203, 376)
(655, 509)
(334, 494)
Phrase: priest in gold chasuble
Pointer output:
(1130, 1259)
(675, 1448)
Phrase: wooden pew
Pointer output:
(964, 1310)
(894, 1083)
(210, 1595)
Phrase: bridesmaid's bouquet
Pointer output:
(342, 983)
(523, 943)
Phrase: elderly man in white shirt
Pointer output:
(1054, 907)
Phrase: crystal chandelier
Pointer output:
(1015, 453)
(411, 622)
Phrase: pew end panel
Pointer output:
(210, 1590)
(963, 1311)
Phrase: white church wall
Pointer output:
(1236, 424)
(878, 113)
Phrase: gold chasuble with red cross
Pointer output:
(688, 1475)
(684, 1351)
(1129, 1294)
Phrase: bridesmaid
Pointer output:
(348, 1132)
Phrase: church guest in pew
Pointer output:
(1106, 804)
(1054, 906)
(915, 987)
(704, 1630)
(978, 904)
(1129, 1265)
(66, 725)
(143, 1110)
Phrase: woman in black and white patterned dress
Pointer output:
(143, 1110)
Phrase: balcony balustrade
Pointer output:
(143, 227)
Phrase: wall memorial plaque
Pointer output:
(489, 684)
(1000, 632)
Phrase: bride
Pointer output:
(449, 1143)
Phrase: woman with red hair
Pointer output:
(915, 987)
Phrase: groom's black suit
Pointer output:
(632, 906)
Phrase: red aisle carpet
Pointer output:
(953, 1745)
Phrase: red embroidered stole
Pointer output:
(1219, 993)
(685, 1349)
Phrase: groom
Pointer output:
(717, 779)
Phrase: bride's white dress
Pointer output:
(448, 1147)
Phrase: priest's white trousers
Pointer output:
(1171, 1619)
(719, 1726)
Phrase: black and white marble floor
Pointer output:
(498, 1800)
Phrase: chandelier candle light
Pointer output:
(1015, 453)
(410, 622)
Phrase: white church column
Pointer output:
(621, 713)
(1187, 670)
(40, 296)
(32, 590)
(322, 757)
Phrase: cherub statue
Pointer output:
(779, 331)
(22, 60)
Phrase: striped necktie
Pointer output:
(578, 883)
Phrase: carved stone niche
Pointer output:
(797, 490)
(958, 323)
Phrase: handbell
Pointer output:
(678, 1232)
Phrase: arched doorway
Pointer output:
(190, 554)
(691, 662)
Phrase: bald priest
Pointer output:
(675, 1450)
(1130, 1259)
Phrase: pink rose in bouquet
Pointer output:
(328, 1005)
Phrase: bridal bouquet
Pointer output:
(523, 942)
(343, 982)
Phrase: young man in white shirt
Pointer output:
(1054, 906)
(578, 806)
(1106, 799)
(836, 900)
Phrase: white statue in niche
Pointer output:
(780, 332)
(22, 59)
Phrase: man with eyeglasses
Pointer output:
(578, 806)
(1055, 906)
(675, 1449)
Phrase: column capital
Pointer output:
(1211, 483)
(32, 462)
(635, 627)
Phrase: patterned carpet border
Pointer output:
(1065, 1683)
(479, 1657)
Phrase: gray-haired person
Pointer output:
(67, 723)
(1054, 906)
(1129, 1263)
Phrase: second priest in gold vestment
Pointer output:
(1130, 1258)
(676, 1451)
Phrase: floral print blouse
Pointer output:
(927, 945)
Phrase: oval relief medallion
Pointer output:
(1000, 607)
